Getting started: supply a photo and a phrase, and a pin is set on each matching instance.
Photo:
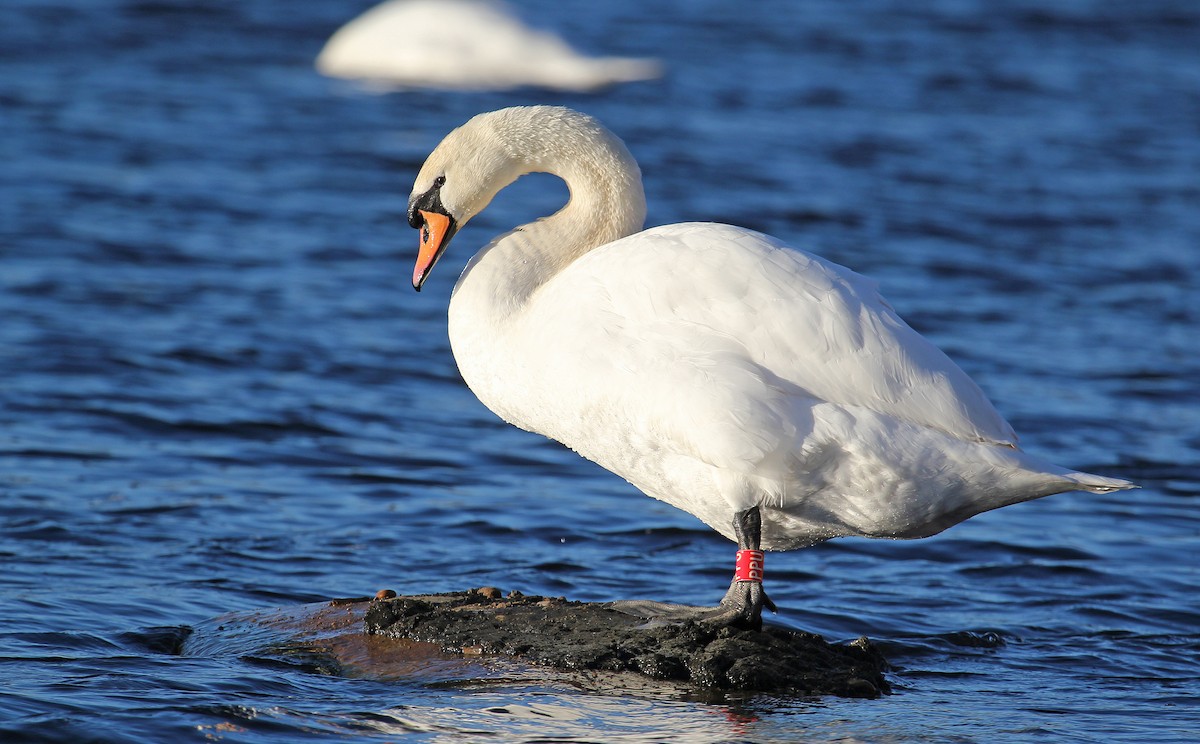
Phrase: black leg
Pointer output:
(746, 597)
(742, 605)
(747, 525)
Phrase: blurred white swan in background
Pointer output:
(771, 393)
(467, 45)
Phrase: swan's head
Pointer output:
(428, 213)
(459, 179)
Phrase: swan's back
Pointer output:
(757, 318)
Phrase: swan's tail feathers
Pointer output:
(1100, 484)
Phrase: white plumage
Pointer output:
(465, 45)
(713, 367)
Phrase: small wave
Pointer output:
(255, 429)
(166, 639)
(1035, 571)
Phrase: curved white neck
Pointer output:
(606, 203)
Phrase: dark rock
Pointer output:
(581, 636)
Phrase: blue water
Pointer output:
(218, 392)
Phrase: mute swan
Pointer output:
(771, 393)
(465, 44)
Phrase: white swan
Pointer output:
(465, 44)
(769, 392)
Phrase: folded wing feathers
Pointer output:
(818, 332)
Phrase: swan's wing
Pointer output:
(755, 328)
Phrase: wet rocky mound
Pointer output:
(568, 635)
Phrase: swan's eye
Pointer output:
(437, 182)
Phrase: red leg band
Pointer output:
(749, 566)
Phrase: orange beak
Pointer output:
(436, 230)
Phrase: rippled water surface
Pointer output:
(218, 393)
